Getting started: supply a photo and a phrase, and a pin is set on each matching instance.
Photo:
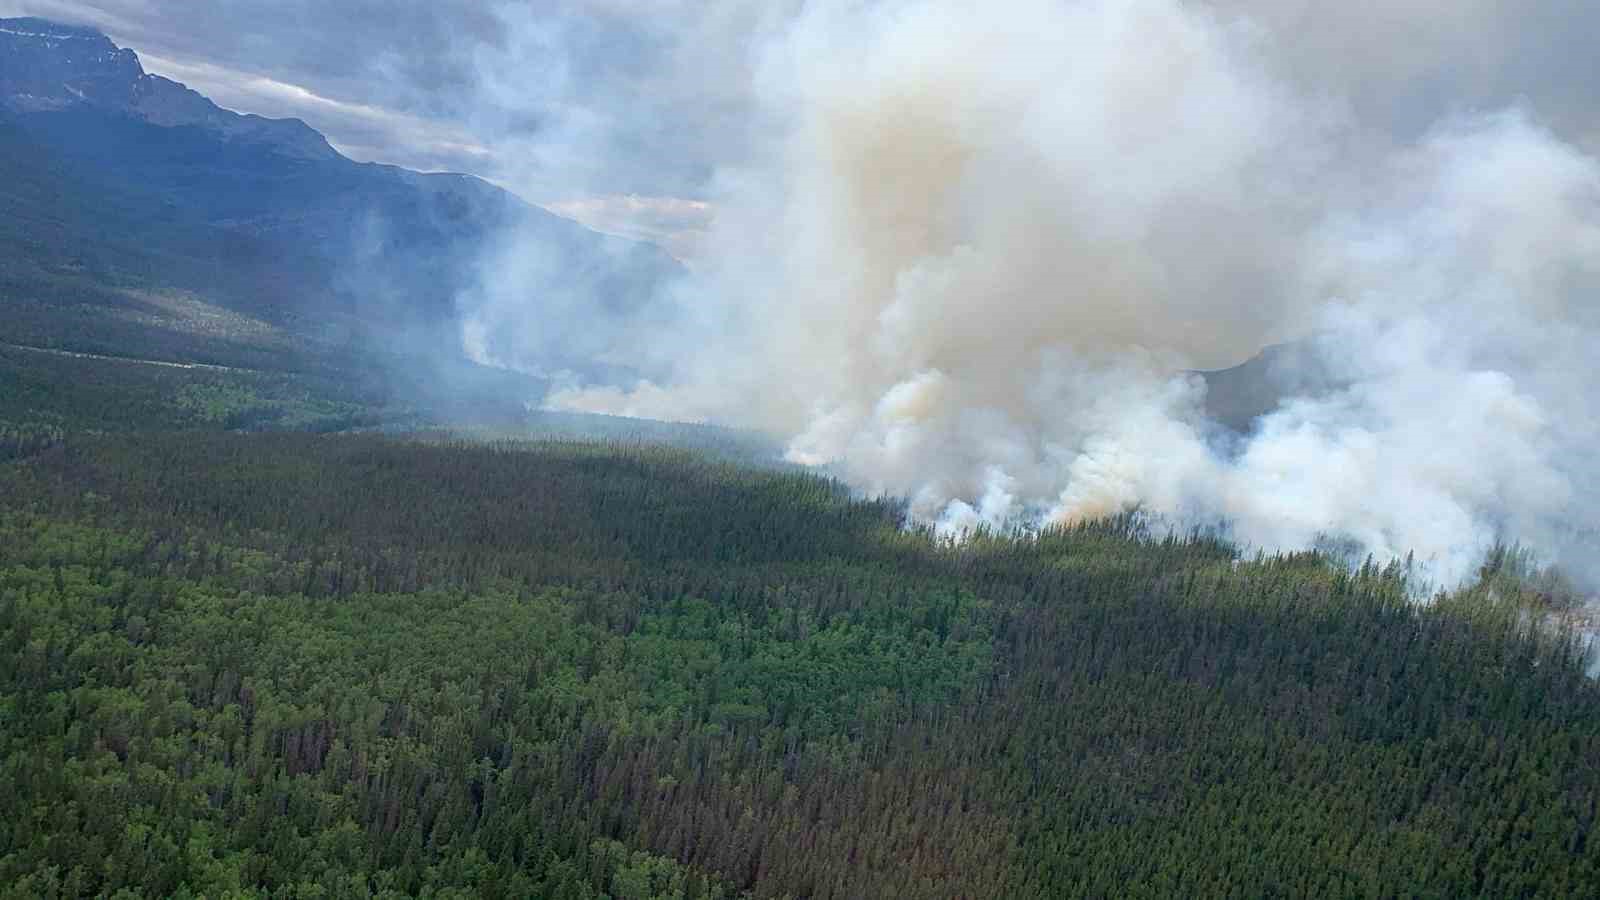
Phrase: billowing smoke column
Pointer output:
(979, 250)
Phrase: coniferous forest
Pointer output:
(298, 665)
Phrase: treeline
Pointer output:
(288, 665)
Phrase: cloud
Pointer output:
(366, 133)
(678, 225)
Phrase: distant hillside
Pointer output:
(46, 66)
(114, 181)
(1237, 396)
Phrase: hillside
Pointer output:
(47, 66)
(117, 187)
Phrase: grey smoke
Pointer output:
(981, 249)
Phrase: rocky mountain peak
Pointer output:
(48, 66)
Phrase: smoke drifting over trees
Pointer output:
(973, 256)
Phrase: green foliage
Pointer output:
(44, 396)
(287, 665)
(28, 438)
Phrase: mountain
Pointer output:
(1237, 396)
(120, 190)
(46, 66)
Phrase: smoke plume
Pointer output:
(974, 254)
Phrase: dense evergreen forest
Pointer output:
(299, 665)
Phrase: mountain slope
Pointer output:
(117, 180)
(48, 66)
(1237, 396)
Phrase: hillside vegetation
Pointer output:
(140, 220)
(349, 666)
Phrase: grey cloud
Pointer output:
(364, 132)
(678, 225)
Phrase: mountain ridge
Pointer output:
(46, 66)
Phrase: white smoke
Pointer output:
(976, 251)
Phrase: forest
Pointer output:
(364, 665)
